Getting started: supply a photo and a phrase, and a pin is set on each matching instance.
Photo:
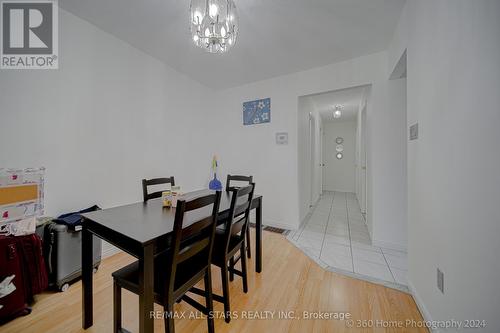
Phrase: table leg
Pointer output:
(258, 237)
(87, 266)
(146, 285)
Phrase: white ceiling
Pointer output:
(350, 99)
(277, 37)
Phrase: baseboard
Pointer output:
(370, 232)
(305, 219)
(359, 204)
(421, 306)
(108, 250)
(309, 213)
(338, 190)
(277, 224)
(388, 245)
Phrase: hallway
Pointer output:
(337, 238)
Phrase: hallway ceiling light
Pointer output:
(338, 111)
(214, 24)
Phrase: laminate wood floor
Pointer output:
(290, 283)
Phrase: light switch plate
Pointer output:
(282, 138)
(414, 132)
(440, 280)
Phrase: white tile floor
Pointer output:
(337, 238)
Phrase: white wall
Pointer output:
(454, 184)
(317, 174)
(360, 163)
(388, 165)
(357, 162)
(305, 107)
(252, 149)
(114, 107)
(309, 171)
(276, 167)
(385, 150)
(339, 175)
(108, 117)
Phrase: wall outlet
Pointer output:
(440, 280)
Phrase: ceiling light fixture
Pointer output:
(214, 24)
(338, 111)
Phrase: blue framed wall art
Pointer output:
(257, 112)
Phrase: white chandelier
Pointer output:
(214, 24)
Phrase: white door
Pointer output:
(339, 173)
(312, 149)
(319, 161)
(363, 161)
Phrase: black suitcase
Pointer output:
(63, 254)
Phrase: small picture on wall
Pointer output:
(257, 112)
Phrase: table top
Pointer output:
(146, 221)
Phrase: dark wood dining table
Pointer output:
(143, 229)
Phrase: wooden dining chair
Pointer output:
(237, 178)
(155, 181)
(229, 241)
(246, 180)
(177, 270)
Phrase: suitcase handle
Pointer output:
(49, 255)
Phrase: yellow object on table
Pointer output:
(167, 198)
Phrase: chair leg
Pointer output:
(249, 252)
(244, 268)
(117, 307)
(169, 317)
(231, 265)
(209, 301)
(225, 293)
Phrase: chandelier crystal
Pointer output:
(214, 24)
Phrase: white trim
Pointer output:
(309, 213)
(108, 250)
(388, 245)
(421, 306)
(304, 220)
(370, 231)
(276, 224)
(336, 190)
(272, 223)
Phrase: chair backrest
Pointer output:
(239, 214)
(195, 240)
(156, 181)
(237, 178)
